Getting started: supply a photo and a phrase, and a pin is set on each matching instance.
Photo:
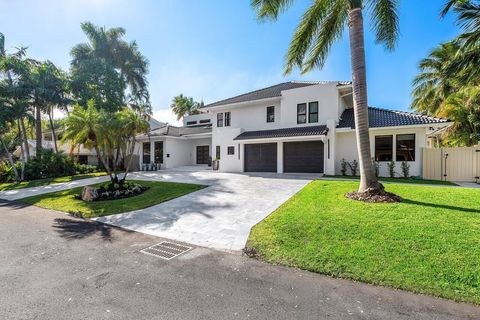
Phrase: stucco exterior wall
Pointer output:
(346, 148)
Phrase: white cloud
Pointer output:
(166, 115)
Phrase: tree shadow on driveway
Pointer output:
(73, 229)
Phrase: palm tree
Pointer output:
(132, 124)
(436, 80)
(463, 108)
(109, 64)
(7, 117)
(182, 106)
(321, 25)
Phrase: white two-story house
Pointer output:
(309, 127)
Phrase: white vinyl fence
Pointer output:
(452, 164)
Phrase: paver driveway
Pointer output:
(219, 216)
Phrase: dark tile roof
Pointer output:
(285, 132)
(387, 118)
(271, 92)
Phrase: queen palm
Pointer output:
(182, 106)
(321, 25)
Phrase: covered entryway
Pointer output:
(203, 153)
(261, 157)
(303, 157)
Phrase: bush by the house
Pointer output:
(85, 168)
(353, 167)
(405, 169)
(391, 169)
(343, 166)
(376, 167)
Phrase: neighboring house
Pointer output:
(294, 127)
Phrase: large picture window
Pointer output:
(219, 119)
(383, 148)
(405, 147)
(271, 114)
(146, 152)
(313, 112)
(228, 118)
(301, 113)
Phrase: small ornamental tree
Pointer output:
(405, 169)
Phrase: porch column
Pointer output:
(280, 157)
(152, 151)
(140, 155)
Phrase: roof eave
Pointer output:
(228, 105)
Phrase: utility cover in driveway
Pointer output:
(303, 157)
(261, 157)
(166, 250)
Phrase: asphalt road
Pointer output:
(56, 267)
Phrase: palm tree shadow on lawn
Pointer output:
(440, 206)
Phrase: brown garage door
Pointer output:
(305, 156)
(261, 157)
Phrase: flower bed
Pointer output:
(109, 191)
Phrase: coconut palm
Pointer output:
(436, 81)
(321, 25)
(182, 106)
(7, 118)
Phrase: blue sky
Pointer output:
(214, 49)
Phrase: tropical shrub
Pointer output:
(376, 167)
(353, 167)
(391, 168)
(85, 168)
(405, 169)
(343, 166)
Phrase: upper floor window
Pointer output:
(219, 119)
(271, 114)
(205, 121)
(301, 113)
(383, 148)
(405, 147)
(191, 123)
(227, 119)
(313, 112)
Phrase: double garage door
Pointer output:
(304, 156)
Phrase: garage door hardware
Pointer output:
(166, 250)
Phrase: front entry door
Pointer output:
(203, 153)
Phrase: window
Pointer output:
(301, 113)
(227, 119)
(146, 152)
(205, 121)
(231, 150)
(405, 147)
(82, 159)
(383, 148)
(217, 152)
(189, 123)
(313, 112)
(271, 114)
(219, 119)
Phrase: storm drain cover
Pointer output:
(166, 250)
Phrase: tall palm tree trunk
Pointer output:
(22, 175)
(360, 102)
(25, 139)
(129, 162)
(10, 159)
(38, 131)
(50, 117)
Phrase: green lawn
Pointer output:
(401, 180)
(429, 243)
(45, 182)
(66, 201)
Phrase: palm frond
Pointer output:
(384, 21)
(270, 9)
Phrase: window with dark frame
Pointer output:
(146, 152)
(271, 114)
(230, 150)
(219, 119)
(227, 119)
(301, 113)
(313, 112)
(189, 123)
(217, 152)
(383, 148)
(205, 121)
(405, 147)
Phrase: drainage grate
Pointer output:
(166, 250)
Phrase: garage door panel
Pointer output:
(261, 157)
(303, 157)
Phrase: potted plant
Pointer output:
(209, 161)
(216, 164)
